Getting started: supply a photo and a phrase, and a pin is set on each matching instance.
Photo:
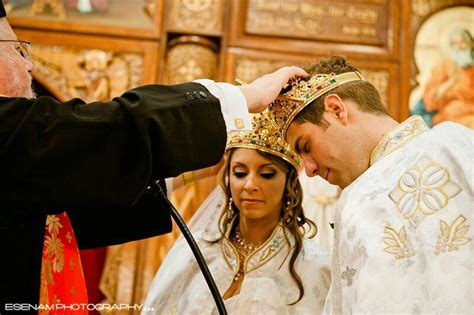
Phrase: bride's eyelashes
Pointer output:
(268, 175)
(239, 174)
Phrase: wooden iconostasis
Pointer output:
(417, 53)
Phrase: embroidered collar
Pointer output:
(262, 255)
(398, 137)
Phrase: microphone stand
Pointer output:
(156, 189)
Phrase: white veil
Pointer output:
(177, 269)
(206, 218)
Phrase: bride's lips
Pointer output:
(249, 200)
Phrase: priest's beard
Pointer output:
(29, 92)
(16, 86)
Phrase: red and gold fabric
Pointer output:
(63, 288)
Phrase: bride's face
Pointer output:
(256, 184)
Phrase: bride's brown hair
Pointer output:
(298, 225)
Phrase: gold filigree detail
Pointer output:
(54, 245)
(192, 15)
(231, 255)
(190, 58)
(265, 136)
(53, 224)
(398, 137)
(264, 253)
(46, 278)
(398, 243)
(380, 79)
(248, 69)
(303, 92)
(55, 252)
(452, 236)
(423, 190)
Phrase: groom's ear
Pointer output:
(335, 107)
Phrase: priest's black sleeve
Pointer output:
(60, 156)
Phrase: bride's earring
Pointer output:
(230, 211)
(289, 214)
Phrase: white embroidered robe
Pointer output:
(180, 288)
(403, 229)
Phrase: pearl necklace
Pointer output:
(244, 249)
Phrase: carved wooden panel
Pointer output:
(316, 27)
(57, 7)
(195, 16)
(380, 78)
(89, 74)
(247, 65)
(138, 18)
(92, 68)
(190, 58)
(364, 23)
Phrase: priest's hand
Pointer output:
(261, 92)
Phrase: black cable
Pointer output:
(156, 189)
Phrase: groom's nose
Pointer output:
(311, 167)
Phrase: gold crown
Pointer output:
(302, 92)
(265, 137)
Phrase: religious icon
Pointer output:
(446, 91)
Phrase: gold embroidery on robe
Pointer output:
(423, 189)
(61, 271)
(44, 296)
(54, 254)
(398, 243)
(269, 249)
(54, 248)
(398, 137)
(452, 236)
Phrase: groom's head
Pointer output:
(329, 132)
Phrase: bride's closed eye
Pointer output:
(268, 175)
(239, 174)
